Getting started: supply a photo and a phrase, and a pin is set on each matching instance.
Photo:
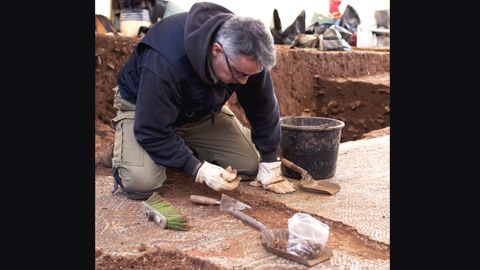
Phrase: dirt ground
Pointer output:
(355, 89)
(274, 215)
(151, 258)
(317, 84)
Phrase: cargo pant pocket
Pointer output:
(127, 151)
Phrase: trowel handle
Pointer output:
(287, 163)
(247, 219)
(203, 200)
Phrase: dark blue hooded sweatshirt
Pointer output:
(167, 77)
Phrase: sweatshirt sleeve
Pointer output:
(260, 104)
(155, 115)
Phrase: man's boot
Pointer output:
(106, 156)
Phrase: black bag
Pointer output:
(350, 19)
(346, 35)
(332, 40)
(158, 10)
(287, 36)
(317, 28)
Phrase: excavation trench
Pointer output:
(351, 86)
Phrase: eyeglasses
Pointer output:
(240, 75)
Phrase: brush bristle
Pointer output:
(175, 220)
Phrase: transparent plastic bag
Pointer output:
(307, 236)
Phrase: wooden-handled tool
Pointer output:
(203, 200)
(307, 182)
(247, 219)
(232, 206)
(305, 175)
(269, 237)
(226, 202)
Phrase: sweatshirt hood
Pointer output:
(203, 22)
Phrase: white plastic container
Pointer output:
(365, 37)
(132, 19)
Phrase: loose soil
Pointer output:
(152, 258)
(308, 82)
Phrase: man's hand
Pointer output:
(270, 178)
(216, 177)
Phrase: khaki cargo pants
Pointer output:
(225, 143)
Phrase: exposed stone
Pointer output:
(353, 129)
(333, 107)
(332, 104)
(307, 112)
(100, 51)
(363, 122)
(384, 90)
(380, 119)
(355, 104)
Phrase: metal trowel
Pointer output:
(269, 237)
(226, 202)
(307, 182)
(232, 206)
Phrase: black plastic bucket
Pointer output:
(311, 143)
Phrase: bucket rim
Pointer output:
(340, 124)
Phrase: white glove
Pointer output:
(269, 172)
(216, 177)
(270, 178)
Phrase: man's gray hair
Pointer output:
(247, 36)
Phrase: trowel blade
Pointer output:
(228, 202)
(320, 186)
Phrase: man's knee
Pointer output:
(142, 179)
